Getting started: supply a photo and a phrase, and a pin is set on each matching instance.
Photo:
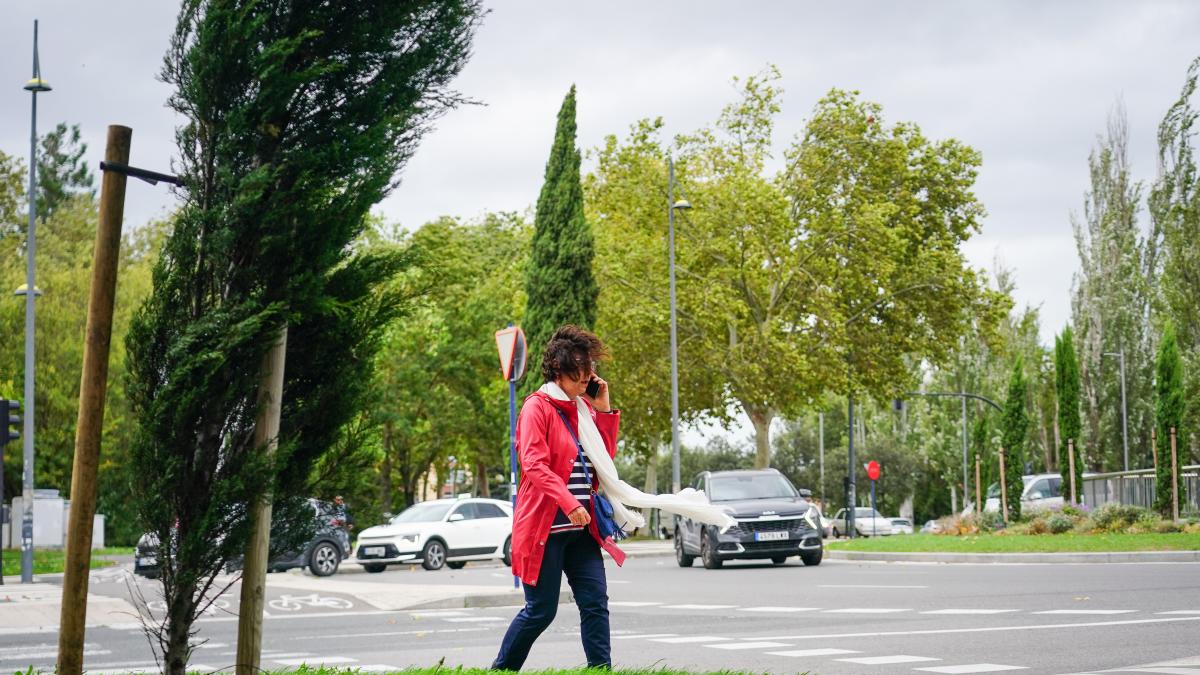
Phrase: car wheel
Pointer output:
(835, 533)
(433, 556)
(456, 565)
(681, 556)
(508, 551)
(779, 559)
(375, 568)
(324, 560)
(708, 554)
(812, 558)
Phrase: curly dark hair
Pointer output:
(570, 352)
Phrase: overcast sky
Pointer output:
(1028, 83)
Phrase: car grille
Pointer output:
(389, 551)
(750, 527)
(770, 546)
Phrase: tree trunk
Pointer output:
(179, 620)
(481, 481)
(761, 418)
(1057, 438)
(386, 489)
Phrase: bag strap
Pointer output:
(579, 447)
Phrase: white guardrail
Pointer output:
(1137, 488)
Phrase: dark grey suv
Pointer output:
(773, 521)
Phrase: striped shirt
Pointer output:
(578, 485)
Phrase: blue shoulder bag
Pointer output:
(602, 510)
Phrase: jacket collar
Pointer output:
(566, 406)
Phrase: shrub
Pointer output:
(1114, 517)
(1168, 527)
(1038, 526)
(1059, 523)
(991, 521)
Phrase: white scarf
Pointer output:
(688, 502)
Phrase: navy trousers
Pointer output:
(578, 555)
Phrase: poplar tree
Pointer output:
(1168, 409)
(296, 118)
(1014, 426)
(1066, 373)
(559, 285)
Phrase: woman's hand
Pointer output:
(600, 402)
(579, 517)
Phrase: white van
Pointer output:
(1040, 490)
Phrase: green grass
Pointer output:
(51, 561)
(1022, 543)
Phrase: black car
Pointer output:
(327, 545)
(774, 521)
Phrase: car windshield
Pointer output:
(423, 513)
(750, 486)
(866, 513)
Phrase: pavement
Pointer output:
(840, 618)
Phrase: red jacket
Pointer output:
(547, 454)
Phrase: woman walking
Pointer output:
(553, 532)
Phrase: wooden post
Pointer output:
(978, 490)
(254, 572)
(92, 390)
(1154, 447)
(1071, 468)
(1174, 479)
(1003, 488)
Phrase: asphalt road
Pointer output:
(840, 617)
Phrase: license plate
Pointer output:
(770, 536)
(373, 551)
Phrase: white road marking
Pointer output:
(699, 606)
(436, 615)
(1181, 611)
(472, 619)
(314, 661)
(972, 668)
(971, 611)
(284, 655)
(211, 645)
(748, 645)
(779, 609)
(1165, 671)
(643, 637)
(1088, 612)
(427, 631)
(867, 610)
(866, 586)
(687, 639)
(888, 660)
(375, 668)
(47, 652)
(120, 669)
(815, 652)
(991, 629)
(630, 603)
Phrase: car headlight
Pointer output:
(811, 520)
(408, 538)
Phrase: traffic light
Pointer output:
(12, 429)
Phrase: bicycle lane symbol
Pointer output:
(292, 603)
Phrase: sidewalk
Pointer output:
(39, 606)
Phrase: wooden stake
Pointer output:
(1174, 479)
(254, 573)
(1154, 447)
(1071, 468)
(1003, 489)
(92, 390)
(978, 490)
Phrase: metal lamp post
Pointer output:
(1124, 409)
(672, 205)
(35, 85)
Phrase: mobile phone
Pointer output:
(593, 388)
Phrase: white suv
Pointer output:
(441, 532)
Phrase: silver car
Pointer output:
(867, 523)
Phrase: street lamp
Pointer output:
(1124, 410)
(672, 206)
(964, 396)
(35, 85)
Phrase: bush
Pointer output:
(1114, 517)
(1036, 526)
(1168, 527)
(1059, 523)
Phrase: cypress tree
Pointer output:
(559, 285)
(1015, 424)
(296, 118)
(1168, 414)
(1066, 374)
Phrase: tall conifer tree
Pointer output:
(1014, 426)
(1168, 409)
(559, 284)
(1066, 373)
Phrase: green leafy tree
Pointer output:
(1169, 408)
(559, 285)
(1014, 426)
(1066, 372)
(12, 193)
(62, 171)
(1111, 304)
(1174, 206)
(296, 119)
